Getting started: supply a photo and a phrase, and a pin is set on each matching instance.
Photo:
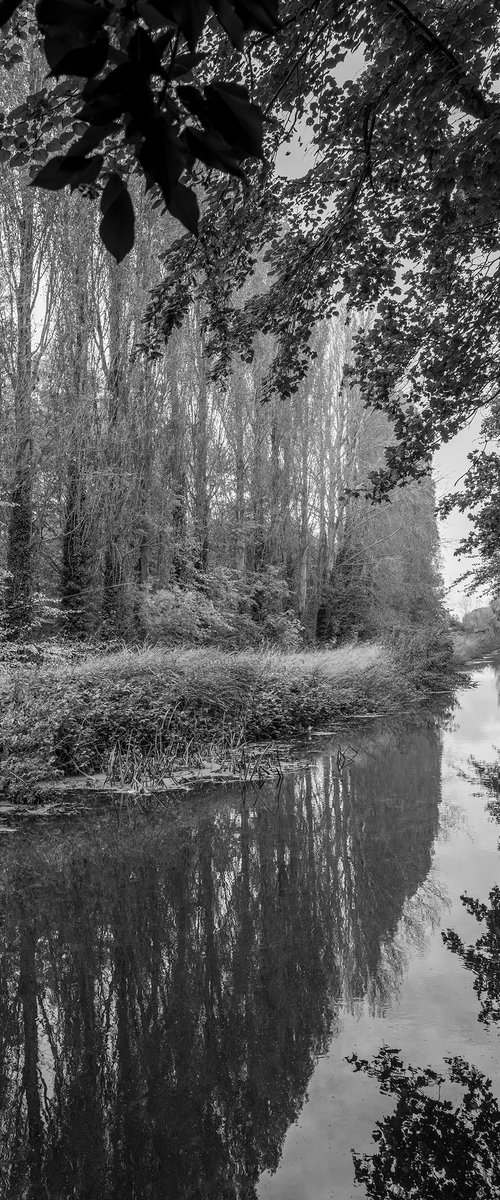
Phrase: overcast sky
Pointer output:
(450, 463)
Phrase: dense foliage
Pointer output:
(395, 218)
(127, 96)
(399, 210)
(142, 497)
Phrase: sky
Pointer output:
(449, 465)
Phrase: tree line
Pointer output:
(398, 210)
(143, 494)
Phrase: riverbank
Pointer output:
(137, 718)
(469, 647)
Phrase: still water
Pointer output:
(179, 990)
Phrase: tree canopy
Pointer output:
(129, 89)
(399, 211)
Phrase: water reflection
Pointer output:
(166, 987)
(430, 1146)
(496, 671)
(483, 957)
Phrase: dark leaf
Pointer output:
(184, 64)
(73, 169)
(194, 102)
(93, 135)
(163, 156)
(230, 21)
(233, 114)
(184, 205)
(151, 16)
(123, 90)
(189, 15)
(117, 226)
(258, 16)
(83, 60)
(7, 8)
(113, 188)
(212, 150)
(105, 99)
(145, 53)
(74, 22)
(192, 19)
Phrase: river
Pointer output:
(180, 988)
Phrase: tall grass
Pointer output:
(68, 718)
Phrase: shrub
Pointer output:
(178, 615)
(425, 652)
(221, 608)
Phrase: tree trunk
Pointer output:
(19, 584)
(304, 514)
(28, 999)
(287, 554)
(258, 552)
(274, 547)
(76, 567)
(238, 401)
(201, 502)
(321, 613)
(177, 473)
(114, 614)
(144, 474)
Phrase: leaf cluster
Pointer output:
(399, 209)
(137, 101)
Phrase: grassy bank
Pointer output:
(470, 646)
(118, 713)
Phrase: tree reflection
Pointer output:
(488, 775)
(483, 958)
(496, 671)
(167, 985)
(430, 1147)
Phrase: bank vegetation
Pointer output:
(149, 713)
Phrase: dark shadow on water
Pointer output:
(167, 985)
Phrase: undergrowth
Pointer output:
(75, 716)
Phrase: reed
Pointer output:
(140, 713)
